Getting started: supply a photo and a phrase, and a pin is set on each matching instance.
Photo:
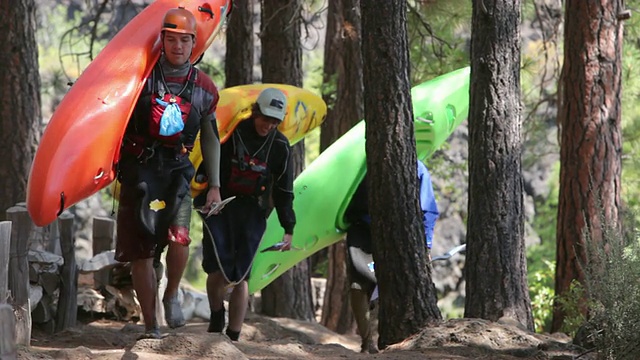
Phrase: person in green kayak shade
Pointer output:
(255, 167)
(360, 266)
(154, 170)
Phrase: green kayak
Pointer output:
(323, 190)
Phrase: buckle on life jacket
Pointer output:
(137, 148)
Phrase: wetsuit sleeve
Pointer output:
(428, 203)
(210, 143)
(283, 187)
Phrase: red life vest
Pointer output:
(182, 99)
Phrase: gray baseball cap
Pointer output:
(272, 103)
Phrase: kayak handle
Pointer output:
(206, 10)
(61, 203)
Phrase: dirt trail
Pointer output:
(268, 338)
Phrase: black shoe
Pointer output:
(216, 321)
(368, 346)
(233, 335)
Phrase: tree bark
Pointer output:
(342, 70)
(281, 60)
(343, 77)
(336, 312)
(238, 65)
(591, 136)
(20, 115)
(407, 294)
(496, 269)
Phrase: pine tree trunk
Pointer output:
(342, 70)
(407, 294)
(591, 135)
(336, 312)
(20, 115)
(238, 66)
(496, 269)
(343, 77)
(290, 294)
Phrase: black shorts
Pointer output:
(236, 232)
(359, 257)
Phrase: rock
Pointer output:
(102, 261)
(35, 295)
(91, 300)
(45, 258)
(202, 309)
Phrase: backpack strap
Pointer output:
(187, 88)
(187, 91)
(239, 148)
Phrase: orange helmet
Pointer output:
(179, 20)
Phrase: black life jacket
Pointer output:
(249, 172)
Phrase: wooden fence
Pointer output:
(39, 275)
(41, 283)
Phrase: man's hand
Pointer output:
(213, 197)
(286, 239)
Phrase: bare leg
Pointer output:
(177, 257)
(145, 284)
(216, 291)
(238, 303)
(360, 308)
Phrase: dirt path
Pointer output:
(267, 338)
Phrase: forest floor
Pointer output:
(276, 338)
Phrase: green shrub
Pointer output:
(542, 294)
(571, 303)
(612, 282)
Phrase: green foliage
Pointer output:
(211, 66)
(612, 282)
(541, 257)
(542, 295)
(311, 146)
(572, 303)
(312, 69)
(631, 128)
(194, 273)
(439, 34)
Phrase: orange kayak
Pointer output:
(80, 146)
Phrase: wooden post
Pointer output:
(104, 237)
(5, 246)
(67, 302)
(7, 333)
(53, 245)
(21, 226)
